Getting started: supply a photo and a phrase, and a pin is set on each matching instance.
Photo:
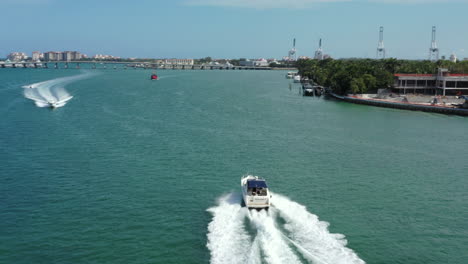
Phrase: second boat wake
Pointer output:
(287, 233)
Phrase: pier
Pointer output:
(136, 65)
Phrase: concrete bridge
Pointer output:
(113, 64)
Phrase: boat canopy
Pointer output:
(256, 184)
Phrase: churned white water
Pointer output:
(312, 235)
(239, 235)
(52, 91)
(227, 236)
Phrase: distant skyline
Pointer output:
(234, 28)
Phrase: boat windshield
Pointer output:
(257, 184)
(257, 187)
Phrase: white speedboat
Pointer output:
(307, 89)
(297, 78)
(255, 192)
(52, 104)
(290, 75)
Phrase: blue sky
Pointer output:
(233, 28)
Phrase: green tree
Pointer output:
(357, 85)
(370, 82)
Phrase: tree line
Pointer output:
(368, 75)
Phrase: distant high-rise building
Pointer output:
(48, 56)
(67, 56)
(62, 56)
(53, 56)
(37, 55)
(77, 55)
(17, 56)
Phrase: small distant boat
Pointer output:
(319, 90)
(52, 104)
(154, 76)
(297, 78)
(290, 75)
(312, 90)
(307, 90)
(255, 192)
(59, 103)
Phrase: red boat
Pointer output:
(154, 76)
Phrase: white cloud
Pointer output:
(299, 4)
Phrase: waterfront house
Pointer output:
(443, 83)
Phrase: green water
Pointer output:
(126, 171)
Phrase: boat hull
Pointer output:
(257, 197)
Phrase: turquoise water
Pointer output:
(138, 171)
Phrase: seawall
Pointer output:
(404, 106)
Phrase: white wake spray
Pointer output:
(52, 92)
(312, 235)
(229, 240)
(274, 246)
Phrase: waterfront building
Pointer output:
(254, 63)
(222, 63)
(62, 56)
(273, 61)
(17, 56)
(37, 55)
(246, 62)
(53, 56)
(67, 55)
(179, 61)
(105, 57)
(49, 56)
(71, 55)
(443, 83)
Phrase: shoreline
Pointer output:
(404, 106)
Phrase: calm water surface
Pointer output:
(128, 170)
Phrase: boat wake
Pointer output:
(52, 93)
(287, 233)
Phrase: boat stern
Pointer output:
(255, 192)
(257, 202)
